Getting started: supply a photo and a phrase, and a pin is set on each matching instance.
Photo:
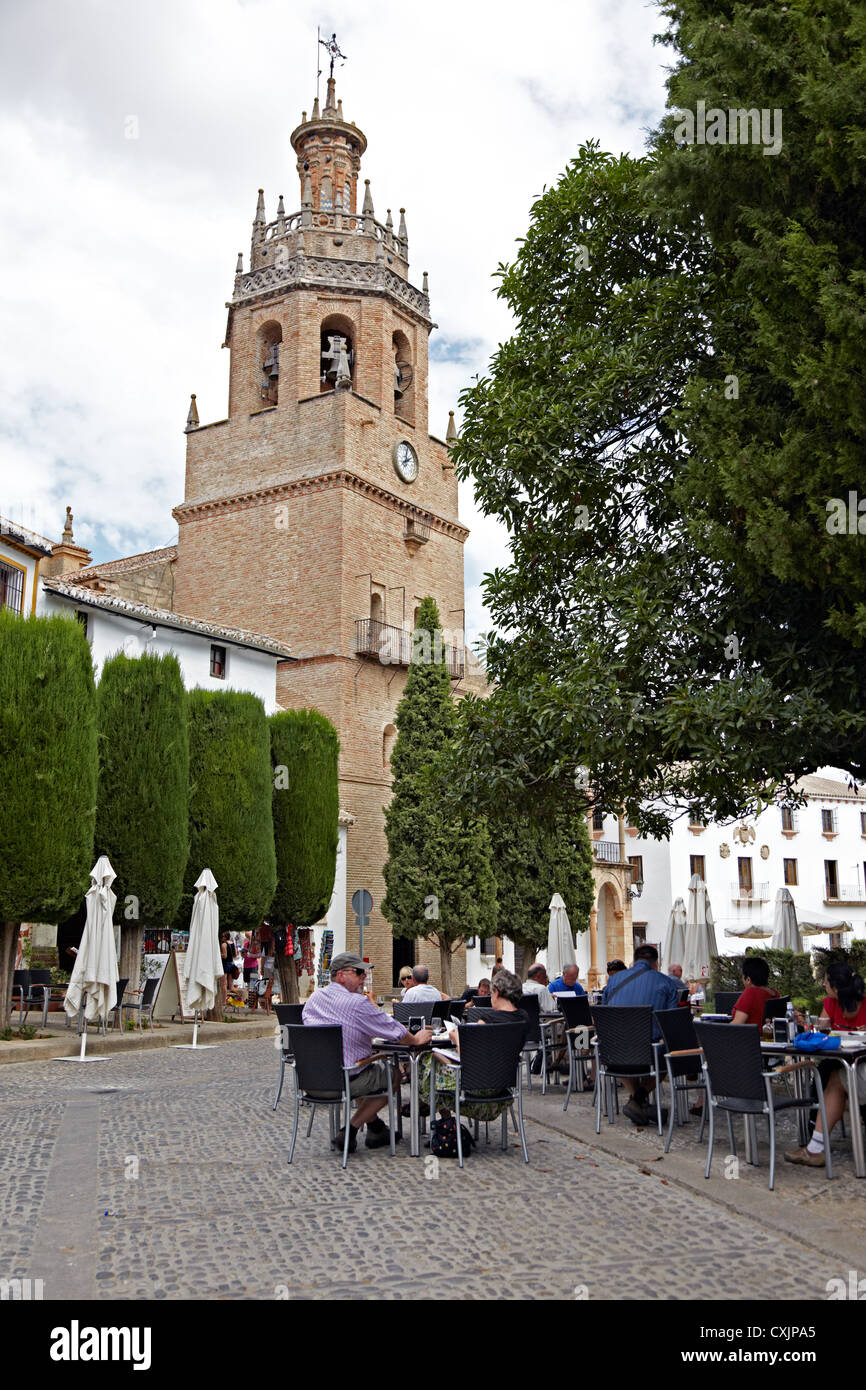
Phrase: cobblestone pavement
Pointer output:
(163, 1176)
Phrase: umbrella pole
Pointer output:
(195, 1045)
(83, 1043)
(195, 1029)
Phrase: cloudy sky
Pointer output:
(135, 134)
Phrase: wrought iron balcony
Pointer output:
(608, 851)
(393, 646)
(844, 893)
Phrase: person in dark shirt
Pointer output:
(483, 988)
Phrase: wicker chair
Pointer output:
(576, 1013)
(725, 999)
(682, 1058)
(423, 1009)
(322, 1079)
(738, 1084)
(287, 1014)
(624, 1048)
(488, 1073)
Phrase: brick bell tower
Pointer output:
(321, 511)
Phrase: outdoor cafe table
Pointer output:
(400, 1051)
(849, 1058)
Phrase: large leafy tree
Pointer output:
(438, 876)
(535, 857)
(142, 808)
(49, 759)
(306, 803)
(681, 399)
(231, 828)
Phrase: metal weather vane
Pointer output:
(332, 48)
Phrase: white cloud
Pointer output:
(120, 252)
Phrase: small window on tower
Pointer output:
(269, 337)
(337, 355)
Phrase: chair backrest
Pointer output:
(531, 1005)
(422, 1009)
(490, 1055)
(121, 990)
(576, 1012)
(441, 1008)
(624, 1034)
(734, 1060)
(289, 1013)
(678, 1031)
(318, 1054)
(776, 1008)
(40, 977)
(725, 999)
(482, 1001)
(456, 1008)
(21, 978)
(149, 993)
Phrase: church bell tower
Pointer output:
(320, 510)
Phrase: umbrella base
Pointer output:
(83, 1059)
(195, 1047)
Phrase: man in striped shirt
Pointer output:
(342, 1003)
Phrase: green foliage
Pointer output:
(533, 858)
(306, 803)
(48, 755)
(439, 877)
(231, 829)
(853, 955)
(142, 809)
(678, 619)
(791, 973)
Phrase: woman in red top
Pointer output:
(749, 1008)
(845, 1010)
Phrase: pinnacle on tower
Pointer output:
(330, 100)
(451, 432)
(316, 113)
(425, 288)
(339, 109)
(389, 223)
(239, 268)
(367, 208)
(402, 234)
(192, 417)
(281, 211)
(260, 207)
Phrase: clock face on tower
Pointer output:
(406, 461)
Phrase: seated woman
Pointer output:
(749, 1008)
(844, 1010)
(505, 991)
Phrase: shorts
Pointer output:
(248, 970)
(370, 1081)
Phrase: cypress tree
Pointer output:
(49, 759)
(439, 877)
(535, 857)
(306, 804)
(142, 808)
(231, 829)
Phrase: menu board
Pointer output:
(171, 1001)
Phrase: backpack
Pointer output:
(443, 1138)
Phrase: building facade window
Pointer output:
(218, 663)
(790, 868)
(828, 822)
(597, 818)
(82, 619)
(863, 822)
(697, 865)
(744, 867)
(789, 820)
(11, 587)
(636, 861)
(831, 878)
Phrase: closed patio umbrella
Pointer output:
(202, 968)
(755, 931)
(675, 937)
(786, 937)
(560, 939)
(700, 932)
(94, 974)
(818, 923)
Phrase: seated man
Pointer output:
(537, 983)
(421, 991)
(343, 1003)
(642, 984)
(482, 988)
(567, 981)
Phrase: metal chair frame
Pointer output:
(680, 1072)
(607, 1074)
(751, 1106)
(146, 1001)
(475, 1039)
(577, 1015)
(287, 1014)
(344, 1098)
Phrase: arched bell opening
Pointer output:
(337, 353)
(404, 378)
(268, 340)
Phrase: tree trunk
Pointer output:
(445, 966)
(288, 975)
(8, 949)
(524, 959)
(129, 965)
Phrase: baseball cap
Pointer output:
(347, 960)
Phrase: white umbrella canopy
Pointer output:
(203, 965)
(675, 936)
(95, 969)
(755, 931)
(560, 939)
(817, 923)
(700, 932)
(786, 937)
